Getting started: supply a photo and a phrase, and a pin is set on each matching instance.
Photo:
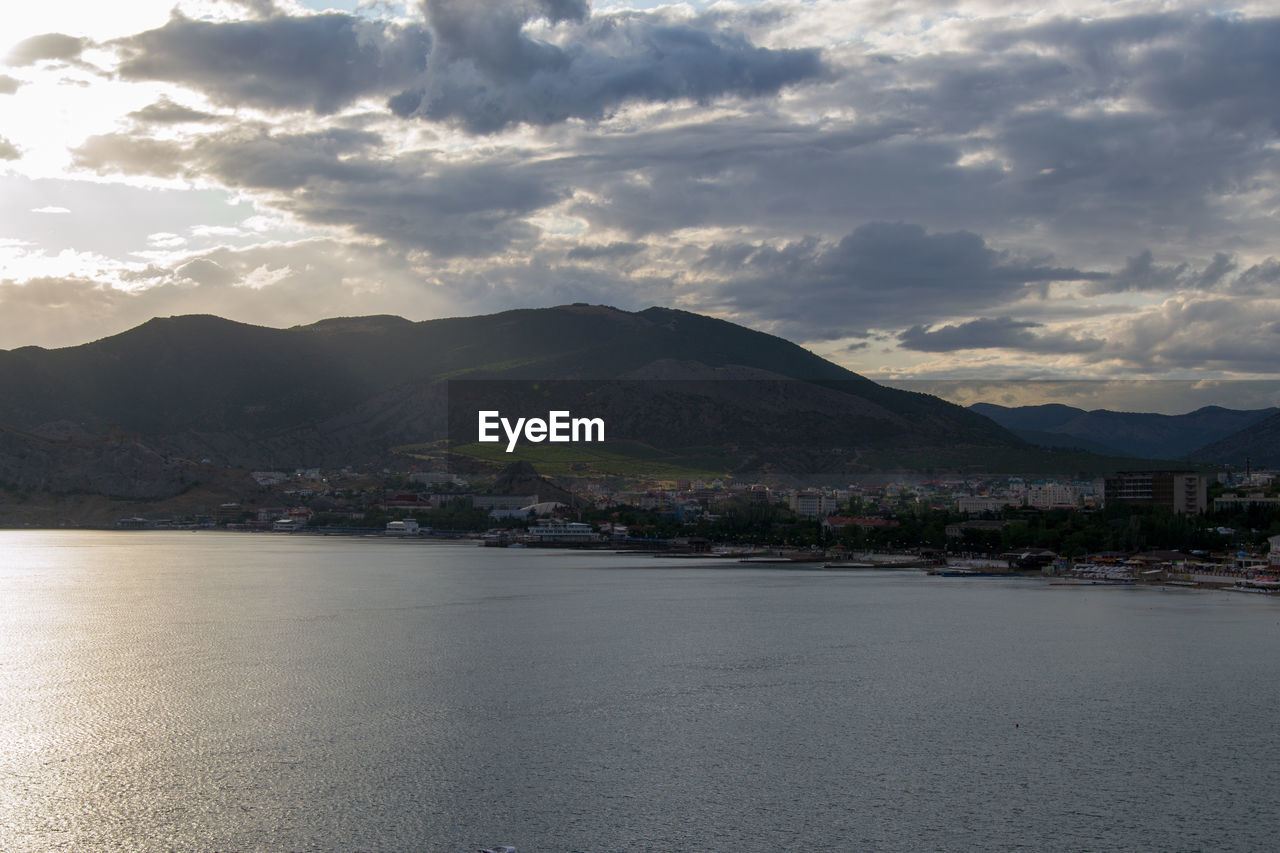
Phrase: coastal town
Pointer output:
(1176, 527)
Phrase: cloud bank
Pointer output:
(1088, 191)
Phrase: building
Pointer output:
(1184, 492)
(1051, 494)
(404, 527)
(1235, 501)
(228, 513)
(975, 505)
(559, 532)
(811, 504)
(289, 524)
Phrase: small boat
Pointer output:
(497, 848)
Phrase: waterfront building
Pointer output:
(404, 527)
(559, 532)
(1184, 492)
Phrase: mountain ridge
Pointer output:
(1141, 434)
(1257, 444)
(349, 391)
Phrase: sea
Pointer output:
(205, 691)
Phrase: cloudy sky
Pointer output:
(917, 190)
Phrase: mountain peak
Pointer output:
(370, 323)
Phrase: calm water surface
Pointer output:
(235, 692)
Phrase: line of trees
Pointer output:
(1071, 533)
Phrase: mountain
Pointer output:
(182, 392)
(1257, 444)
(1145, 435)
(521, 478)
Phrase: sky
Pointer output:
(921, 191)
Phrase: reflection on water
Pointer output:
(201, 691)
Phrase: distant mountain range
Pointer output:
(1211, 434)
(137, 414)
(1258, 444)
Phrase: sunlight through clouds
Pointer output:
(1073, 189)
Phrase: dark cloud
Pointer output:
(449, 212)
(1075, 126)
(55, 46)
(491, 35)
(9, 85)
(1141, 273)
(1261, 279)
(250, 157)
(9, 151)
(166, 111)
(1229, 69)
(316, 62)
(610, 252)
(337, 177)
(490, 74)
(1215, 272)
(1225, 67)
(1131, 174)
(756, 170)
(258, 159)
(478, 65)
(997, 333)
(880, 275)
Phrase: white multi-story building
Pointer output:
(1052, 494)
(976, 505)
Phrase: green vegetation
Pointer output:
(1066, 532)
(458, 514)
(628, 459)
